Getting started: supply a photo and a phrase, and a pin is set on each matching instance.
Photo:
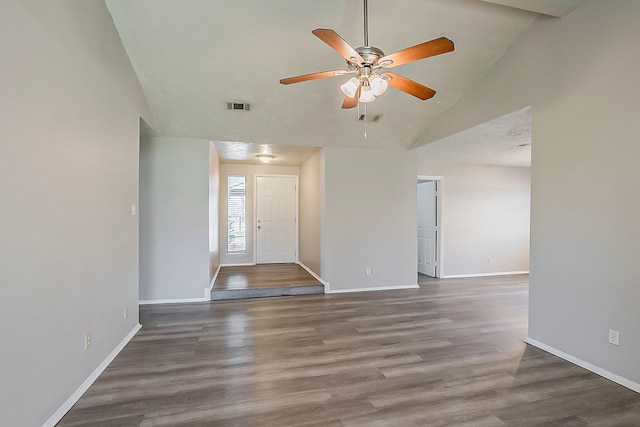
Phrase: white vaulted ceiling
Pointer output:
(193, 56)
(504, 141)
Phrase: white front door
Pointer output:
(276, 222)
(427, 228)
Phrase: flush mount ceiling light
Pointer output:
(265, 158)
(368, 64)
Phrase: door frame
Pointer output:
(440, 234)
(255, 212)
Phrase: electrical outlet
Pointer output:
(368, 271)
(614, 337)
(87, 340)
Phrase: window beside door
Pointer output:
(236, 214)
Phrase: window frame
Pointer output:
(236, 214)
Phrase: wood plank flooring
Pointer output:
(447, 354)
(264, 280)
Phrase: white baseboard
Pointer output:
(207, 291)
(318, 278)
(379, 288)
(238, 265)
(57, 416)
(172, 301)
(632, 385)
(502, 273)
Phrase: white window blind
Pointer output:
(236, 210)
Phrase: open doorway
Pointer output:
(429, 226)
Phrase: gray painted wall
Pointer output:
(485, 217)
(69, 132)
(370, 219)
(581, 79)
(214, 215)
(311, 212)
(174, 218)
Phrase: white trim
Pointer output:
(207, 291)
(62, 410)
(502, 273)
(318, 278)
(632, 385)
(429, 178)
(244, 264)
(381, 288)
(172, 301)
(236, 254)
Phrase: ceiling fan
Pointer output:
(369, 65)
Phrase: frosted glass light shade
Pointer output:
(350, 87)
(366, 94)
(379, 85)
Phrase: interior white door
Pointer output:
(427, 228)
(276, 222)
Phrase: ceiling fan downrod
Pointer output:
(366, 24)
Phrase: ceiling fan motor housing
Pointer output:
(370, 54)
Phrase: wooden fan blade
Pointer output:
(338, 44)
(312, 76)
(351, 102)
(410, 87)
(419, 51)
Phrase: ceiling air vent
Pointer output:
(370, 117)
(238, 106)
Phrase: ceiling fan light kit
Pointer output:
(368, 63)
(379, 85)
(350, 87)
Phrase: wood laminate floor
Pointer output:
(447, 354)
(264, 280)
(262, 276)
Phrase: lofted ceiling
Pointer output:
(194, 56)
(504, 141)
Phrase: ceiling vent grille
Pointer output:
(375, 118)
(238, 106)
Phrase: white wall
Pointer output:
(69, 131)
(174, 218)
(311, 210)
(370, 219)
(250, 172)
(485, 216)
(581, 80)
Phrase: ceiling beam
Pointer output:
(558, 8)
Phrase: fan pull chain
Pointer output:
(365, 117)
(365, 121)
